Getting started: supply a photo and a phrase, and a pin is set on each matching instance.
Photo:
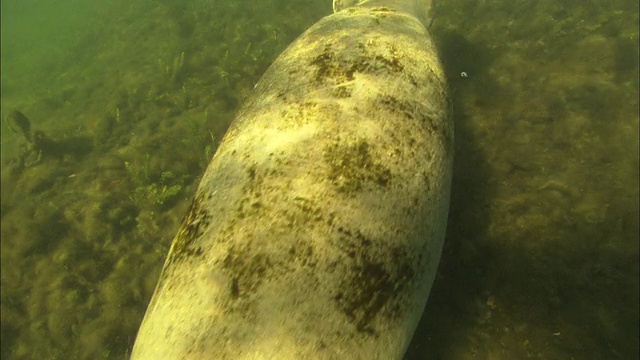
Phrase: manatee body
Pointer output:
(316, 231)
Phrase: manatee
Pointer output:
(317, 228)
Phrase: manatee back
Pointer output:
(418, 8)
(317, 228)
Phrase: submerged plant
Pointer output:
(148, 192)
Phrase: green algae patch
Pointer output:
(352, 168)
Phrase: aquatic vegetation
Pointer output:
(157, 193)
(174, 69)
(149, 192)
(546, 167)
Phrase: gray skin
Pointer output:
(317, 228)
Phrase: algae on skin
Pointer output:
(545, 171)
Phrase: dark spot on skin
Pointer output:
(250, 204)
(394, 105)
(334, 68)
(252, 172)
(305, 211)
(192, 227)
(235, 291)
(245, 264)
(372, 278)
(374, 281)
(351, 167)
(248, 271)
(436, 124)
(302, 253)
(342, 92)
(330, 220)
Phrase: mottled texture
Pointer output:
(317, 228)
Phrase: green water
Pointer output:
(132, 98)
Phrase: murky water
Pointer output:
(131, 99)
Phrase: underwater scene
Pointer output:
(112, 110)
